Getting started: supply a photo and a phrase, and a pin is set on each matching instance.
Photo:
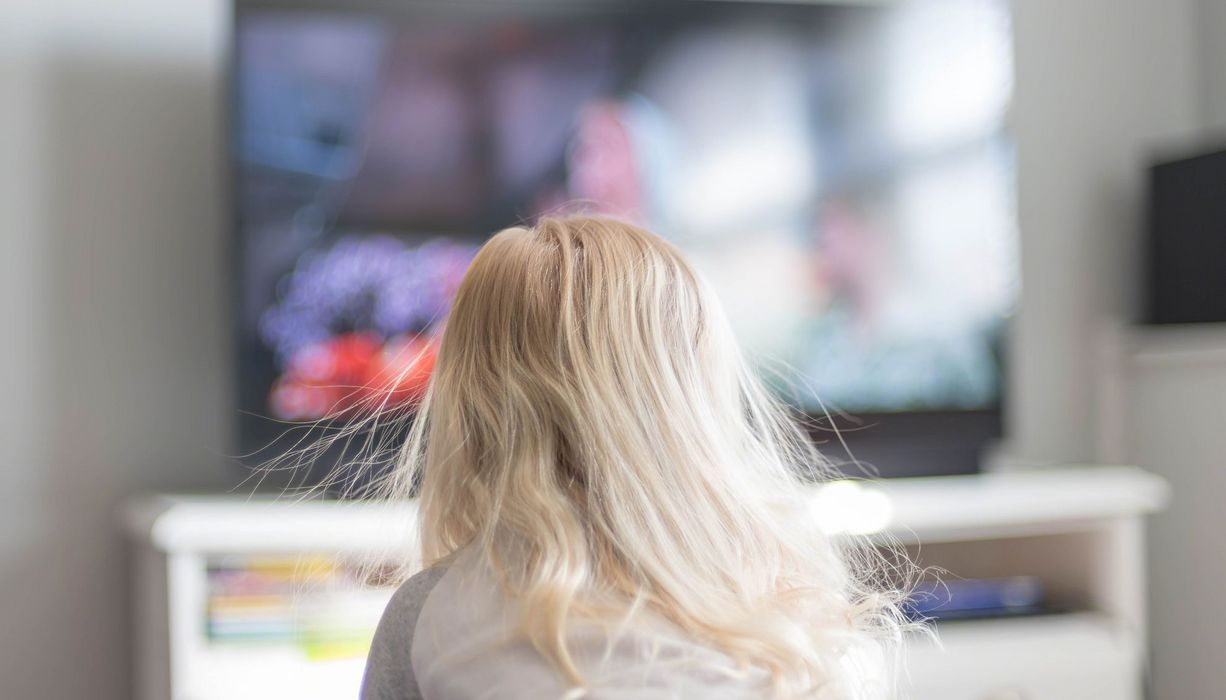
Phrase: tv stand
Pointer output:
(1079, 529)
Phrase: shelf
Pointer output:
(254, 672)
(1011, 504)
(933, 509)
(1192, 344)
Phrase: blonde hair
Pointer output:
(592, 427)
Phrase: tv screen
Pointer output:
(841, 173)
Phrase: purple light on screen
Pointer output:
(376, 282)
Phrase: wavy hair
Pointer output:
(591, 412)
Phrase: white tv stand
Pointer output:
(1079, 529)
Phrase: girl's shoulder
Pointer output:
(389, 670)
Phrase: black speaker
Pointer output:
(1186, 257)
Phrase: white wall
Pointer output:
(112, 344)
(1174, 420)
(1101, 85)
(1211, 45)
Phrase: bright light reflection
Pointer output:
(846, 507)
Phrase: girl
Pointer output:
(612, 506)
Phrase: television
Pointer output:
(841, 172)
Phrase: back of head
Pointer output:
(592, 427)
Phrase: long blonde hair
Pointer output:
(591, 412)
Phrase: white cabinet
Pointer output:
(1077, 529)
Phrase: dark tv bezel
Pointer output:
(877, 444)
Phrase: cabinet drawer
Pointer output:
(1053, 657)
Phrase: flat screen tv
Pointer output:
(841, 172)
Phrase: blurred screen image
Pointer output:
(841, 174)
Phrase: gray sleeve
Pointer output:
(389, 668)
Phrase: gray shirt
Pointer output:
(389, 668)
(447, 634)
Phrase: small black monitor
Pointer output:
(1186, 260)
